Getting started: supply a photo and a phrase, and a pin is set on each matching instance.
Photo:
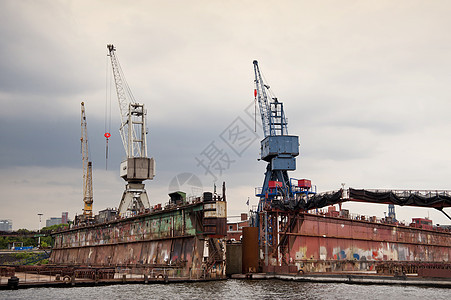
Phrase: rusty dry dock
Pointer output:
(183, 240)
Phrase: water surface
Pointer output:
(234, 289)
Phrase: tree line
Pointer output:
(27, 237)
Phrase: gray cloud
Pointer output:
(41, 50)
(365, 85)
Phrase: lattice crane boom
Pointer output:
(133, 114)
(271, 110)
(261, 96)
(87, 166)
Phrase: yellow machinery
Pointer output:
(87, 169)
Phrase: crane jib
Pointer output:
(271, 110)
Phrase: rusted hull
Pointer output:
(318, 243)
(170, 241)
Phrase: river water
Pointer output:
(234, 289)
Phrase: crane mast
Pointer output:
(136, 167)
(87, 168)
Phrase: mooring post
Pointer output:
(13, 283)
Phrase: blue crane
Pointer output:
(278, 148)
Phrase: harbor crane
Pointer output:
(279, 150)
(136, 167)
(87, 170)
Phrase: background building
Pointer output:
(52, 221)
(65, 217)
(235, 229)
(56, 221)
(6, 225)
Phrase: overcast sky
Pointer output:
(365, 85)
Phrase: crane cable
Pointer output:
(255, 109)
(107, 134)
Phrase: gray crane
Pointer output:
(136, 167)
